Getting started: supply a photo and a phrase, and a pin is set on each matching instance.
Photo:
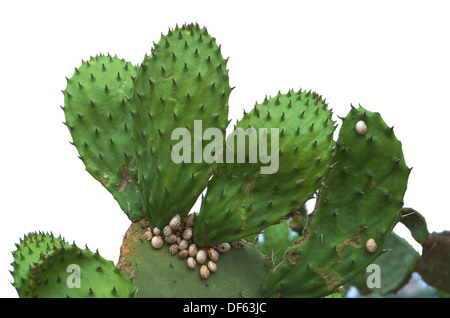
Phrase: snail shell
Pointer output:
(184, 244)
(212, 266)
(187, 234)
(192, 250)
(157, 242)
(190, 220)
(171, 239)
(175, 222)
(223, 247)
(361, 127)
(204, 272)
(191, 263)
(148, 235)
(371, 246)
(183, 254)
(173, 249)
(167, 231)
(156, 231)
(213, 254)
(201, 257)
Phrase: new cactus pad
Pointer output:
(185, 79)
(241, 200)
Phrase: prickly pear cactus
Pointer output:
(149, 135)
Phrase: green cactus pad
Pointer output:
(33, 248)
(361, 200)
(43, 267)
(396, 267)
(242, 199)
(240, 273)
(99, 120)
(185, 79)
(99, 278)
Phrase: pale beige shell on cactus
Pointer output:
(213, 254)
(371, 246)
(212, 266)
(361, 127)
(191, 263)
(204, 272)
(201, 257)
(175, 222)
(223, 247)
(167, 230)
(157, 242)
(192, 250)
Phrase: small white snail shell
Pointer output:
(167, 231)
(183, 254)
(223, 247)
(156, 231)
(190, 220)
(371, 246)
(361, 127)
(171, 239)
(157, 242)
(212, 266)
(201, 257)
(178, 239)
(148, 235)
(187, 234)
(213, 254)
(175, 222)
(204, 272)
(173, 249)
(191, 263)
(192, 250)
(184, 244)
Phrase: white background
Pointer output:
(390, 56)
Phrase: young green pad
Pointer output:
(361, 200)
(240, 271)
(71, 272)
(243, 198)
(99, 120)
(184, 81)
(30, 251)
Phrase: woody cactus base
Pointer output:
(122, 119)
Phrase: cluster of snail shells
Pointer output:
(178, 235)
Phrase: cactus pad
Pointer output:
(242, 199)
(361, 200)
(99, 120)
(240, 273)
(185, 79)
